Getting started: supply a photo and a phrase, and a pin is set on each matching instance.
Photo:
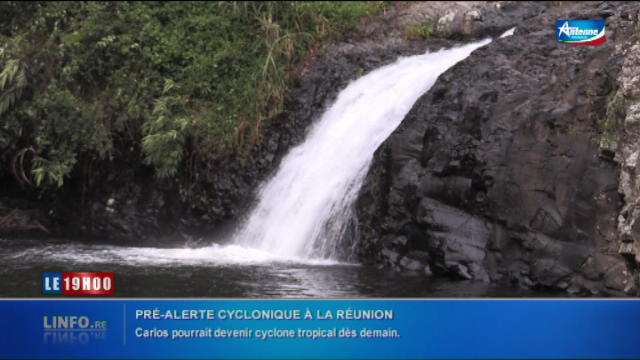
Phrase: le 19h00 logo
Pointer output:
(580, 32)
(77, 283)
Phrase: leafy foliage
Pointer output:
(611, 123)
(12, 82)
(173, 79)
(423, 30)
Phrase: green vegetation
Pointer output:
(611, 123)
(167, 80)
(423, 30)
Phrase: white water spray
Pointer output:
(304, 210)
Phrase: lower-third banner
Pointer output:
(372, 329)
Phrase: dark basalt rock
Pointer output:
(624, 109)
(490, 19)
(496, 172)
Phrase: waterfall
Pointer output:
(304, 210)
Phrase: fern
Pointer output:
(165, 132)
(52, 172)
(12, 82)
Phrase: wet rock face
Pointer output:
(485, 19)
(496, 172)
(21, 217)
(126, 205)
(627, 100)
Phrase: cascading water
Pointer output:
(289, 244)
(304, 210)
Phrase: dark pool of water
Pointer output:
(141, 272)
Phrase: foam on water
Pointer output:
(216, 255)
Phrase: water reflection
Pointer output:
(149, 272)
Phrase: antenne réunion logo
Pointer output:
(580, 32)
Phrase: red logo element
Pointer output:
(594, 42)
(87, 283)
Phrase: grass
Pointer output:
(421, 31)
